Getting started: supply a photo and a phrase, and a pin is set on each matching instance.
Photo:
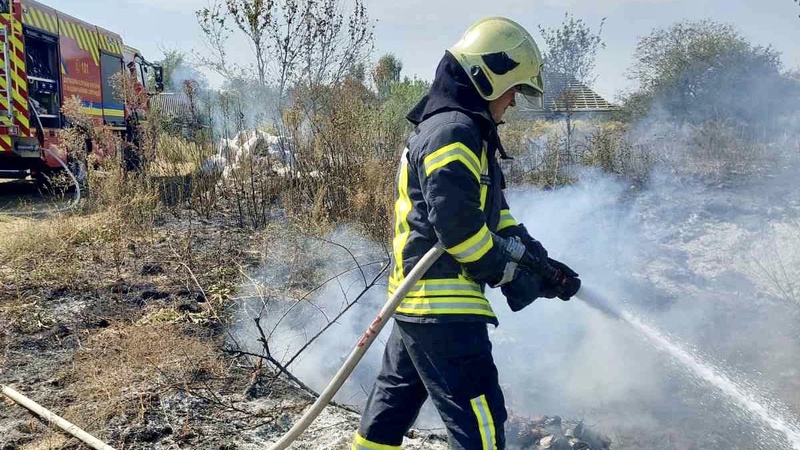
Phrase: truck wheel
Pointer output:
(44, 181)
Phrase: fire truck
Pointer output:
(47, 56)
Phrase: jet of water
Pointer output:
(700, 369)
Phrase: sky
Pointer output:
(419, 31)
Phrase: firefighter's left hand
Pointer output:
(567, 284)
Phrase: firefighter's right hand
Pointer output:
(522, 290)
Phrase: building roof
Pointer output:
(172, 105)
(561, 91)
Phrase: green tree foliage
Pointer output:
(698, 71)
(571, 50)
(386, 73)
(401, 97)
(178, 69)
(569, 58)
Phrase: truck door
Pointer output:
(113, 98)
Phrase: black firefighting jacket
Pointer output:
(450, 190)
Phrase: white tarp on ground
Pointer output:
(265, 149)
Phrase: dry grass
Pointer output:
(54, 248)
(122, 370)
(50, 441)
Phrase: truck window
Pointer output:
(113, 104)
(44, 86)
(4, 6)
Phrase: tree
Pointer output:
(386, 73)
(312, 41)
(571, 50)
(177, 70)
(569, 59)
(213, 24)
(699, 71)
(334, 41)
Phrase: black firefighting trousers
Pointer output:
(450, 362)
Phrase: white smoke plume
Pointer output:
(687, 257)
(706, 251)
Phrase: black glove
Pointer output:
(533, 246)
(522, 290)
(565, 285)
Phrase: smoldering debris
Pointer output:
(554, 433)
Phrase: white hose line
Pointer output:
(69, 207)
(74, 181)
(54, 419)
(360, 349)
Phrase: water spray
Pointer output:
(702, 370)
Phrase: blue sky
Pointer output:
(418, 31)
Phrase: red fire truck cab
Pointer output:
(47, 56)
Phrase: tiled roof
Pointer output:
(560, 89)
(173, 105)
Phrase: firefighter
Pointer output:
(449, 190)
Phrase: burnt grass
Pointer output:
(126, 340)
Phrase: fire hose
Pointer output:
(52, 418)
(528, 261)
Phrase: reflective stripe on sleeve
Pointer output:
(473, 248)
(506, 220)
(456, 151)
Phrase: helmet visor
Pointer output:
(532, 96)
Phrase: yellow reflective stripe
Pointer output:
(506, 220)
(473, 248)
(114, 112)
(456, 151)
(446, 305)
(479, 303)
(51, 22)
(424, 293)
(361, 443)
(438, 282)
(485, 422)
(402, 206)
(91, 111)
(445, 286)
(484, 171)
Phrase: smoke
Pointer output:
(706, 251)
(679, 254)
(287, 293)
